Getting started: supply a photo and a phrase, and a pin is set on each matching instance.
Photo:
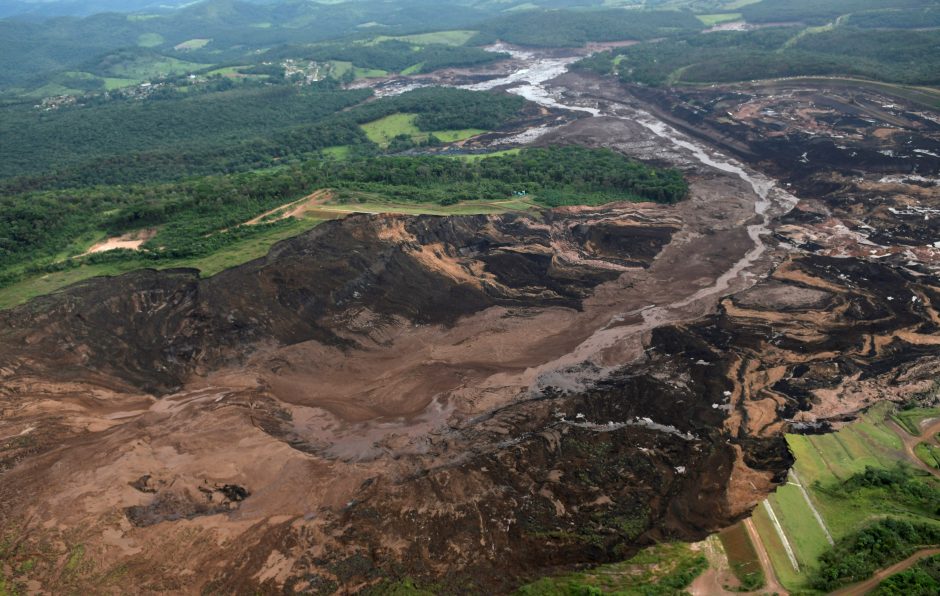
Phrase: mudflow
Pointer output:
(476, 401)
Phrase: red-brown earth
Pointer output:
(469, 402)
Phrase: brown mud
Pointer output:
(473, 402)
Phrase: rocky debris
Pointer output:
(170, 505)
(472, 402)
(430, 270)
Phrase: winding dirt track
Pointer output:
(871, 583)
(928, 434)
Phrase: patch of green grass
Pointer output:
(151, 67)
(450, 38)
(661, 569)
(192, 44)
(479, 156)
(338, 68)
(369, 73)
(710, 20)
(789, 577)
(149, 40)
(413, 69)
(111, 83)
(910, 420)
(800, 526)
(232, 255)
(824, 463)
(383, 130)
(246, 250)
(75, 558)
(362, 202)
(929, 454)
(451, 136)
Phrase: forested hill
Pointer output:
(40, 231)
(893, 41)
(239, 129)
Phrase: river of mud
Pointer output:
(470, 401)
(533, 80)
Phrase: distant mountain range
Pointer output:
(40, 9)
(80, 8)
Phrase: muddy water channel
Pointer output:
(535, 77)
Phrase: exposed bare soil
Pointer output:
(129, 241)
(474, 401)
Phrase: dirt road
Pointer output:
(773, 584)
(928, 435)
(870, 584)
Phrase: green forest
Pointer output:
(236, 130)
(889, 55)
(566, 29)
(921, 580)
(814, 12)
(198, 216)
(886, 541)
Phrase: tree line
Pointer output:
(196, 217)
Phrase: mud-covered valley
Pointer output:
(475, 401)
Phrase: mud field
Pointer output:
(476, 401)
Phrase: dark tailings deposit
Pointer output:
(472, 402)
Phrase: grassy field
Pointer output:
(784, 570)
(148, 68)
(383, 130)
(450, 38)
(413, 69)
(710, 20)
(111, 83)
(192, 44)
(802, 530)
(929, 454)
(338, 68)
(248, 249)
(361, 202)
(823, 463)
(910, 420)
(479, 156)
(661, 569)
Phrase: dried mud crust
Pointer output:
(372, 383)
(467, 402)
